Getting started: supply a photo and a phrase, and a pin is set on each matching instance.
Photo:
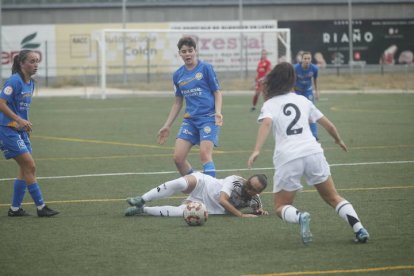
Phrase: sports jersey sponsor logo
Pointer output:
(21, 144)
(198, 76)
(27, 94)
(12, 124)
(24, 106)
(181, 83)
(192, 92)
(8, 90)
(186, 131)
(207, 130)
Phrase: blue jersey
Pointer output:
(18, 96)
(197, 86)
(304, 77)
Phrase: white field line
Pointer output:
(225, 170)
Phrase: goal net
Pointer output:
(145, 59)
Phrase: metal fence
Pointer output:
(344, 77)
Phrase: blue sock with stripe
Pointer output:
(36, 194)
(19, 190)
(209, 168)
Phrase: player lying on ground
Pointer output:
(220, 196)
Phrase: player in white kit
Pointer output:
(220, 196)
(297, 153)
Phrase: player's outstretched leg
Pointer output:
(304, 220)
(134, 210)
(347, 212)
(164, 190)
(362, 235)
(136, 201)
(290, 214)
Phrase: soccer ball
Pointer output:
(195, 213)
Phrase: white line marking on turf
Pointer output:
(225, 170)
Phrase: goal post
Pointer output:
(142, 55)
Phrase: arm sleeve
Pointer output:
(264, 113)
(314, 114)
(315, 72)
(212, 80)
(8, 91)
(177, 90)
(227, 185)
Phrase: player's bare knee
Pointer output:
(332, 199)
(205, 155)
(29, 169)
(179, 160)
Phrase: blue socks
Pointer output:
(209, 168)
(19, 191)
(36, 194)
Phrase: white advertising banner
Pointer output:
(40, 38)
(71, 50)
(222, 49)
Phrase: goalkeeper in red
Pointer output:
(263, 67)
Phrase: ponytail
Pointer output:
(16, 65)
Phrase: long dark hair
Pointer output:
(21, 57)
(280, 80)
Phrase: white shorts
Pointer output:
(207, 191)
(314, 168)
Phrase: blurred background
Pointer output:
(75, 52)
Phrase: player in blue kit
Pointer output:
(306, 73)
(15, 128)
(196, 82)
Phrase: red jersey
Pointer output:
(263, 67)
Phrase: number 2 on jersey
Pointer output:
(286, 110)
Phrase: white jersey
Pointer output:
(291, 115)
(208, 191)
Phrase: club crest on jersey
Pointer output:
(8, 90)
(199, 76)
(207, 130)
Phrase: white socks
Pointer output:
(346, 211)
(290, 214)
(165, 211)
(166, 189)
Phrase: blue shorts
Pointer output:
(14, 143)
(308, 94)
(200, 129)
